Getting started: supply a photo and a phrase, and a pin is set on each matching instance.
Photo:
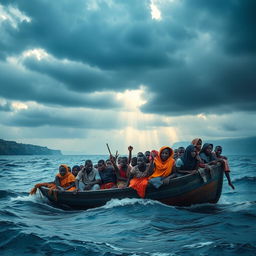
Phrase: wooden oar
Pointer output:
(109, 149)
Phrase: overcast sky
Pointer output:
(77, 74)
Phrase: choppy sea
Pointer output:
(30, 225)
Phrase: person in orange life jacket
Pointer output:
(139, 174)
(65, 180)
(164, 167)
(107, 175)
(224, 160)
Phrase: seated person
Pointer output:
(109, 163)
(224, 160)
(197, 142)
(163, 166)
(65, 180)
(75, 170)
(175, 155)
(88, 178)
(122, 171)
(180, 152)
(206, 154)
(188, 163)
(147, 156)
(107, 175)
(138, 178)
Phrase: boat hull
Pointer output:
(202, 187)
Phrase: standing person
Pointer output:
(188, 163)
(163, 166)
(224, 160)
(107, 175)
(88, 178)
(65, 180)
(139, 175)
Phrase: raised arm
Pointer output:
(130, 148)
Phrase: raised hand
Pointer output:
(130, 148)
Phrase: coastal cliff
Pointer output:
(14, 148)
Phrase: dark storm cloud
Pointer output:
(36, 117)
(30, 86)
(88, 119)
(199, 58)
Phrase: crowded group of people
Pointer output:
(154, 167)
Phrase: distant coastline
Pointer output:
(14, 148)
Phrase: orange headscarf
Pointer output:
(163, 168)
(67, 178)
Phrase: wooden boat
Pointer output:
(204, 186)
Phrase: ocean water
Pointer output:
(30, 225)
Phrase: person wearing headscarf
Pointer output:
(164, 164)
(206, 154)
(65, 180)
(197, 142)
(188, 163)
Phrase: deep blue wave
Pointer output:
(30, 225)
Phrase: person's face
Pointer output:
(193, 153)
(140, 161)
(108, 163)
(218, 151)
(75, 171)
(88, 167)
(134, 161)
(181, 152)
(199, 145)
(209, 150)
(62, 171)
(165, 154)
(147, 154)
(101, 166)
(123, 162)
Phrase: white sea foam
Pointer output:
(26, 198)
(128, 201)
(198, 245)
